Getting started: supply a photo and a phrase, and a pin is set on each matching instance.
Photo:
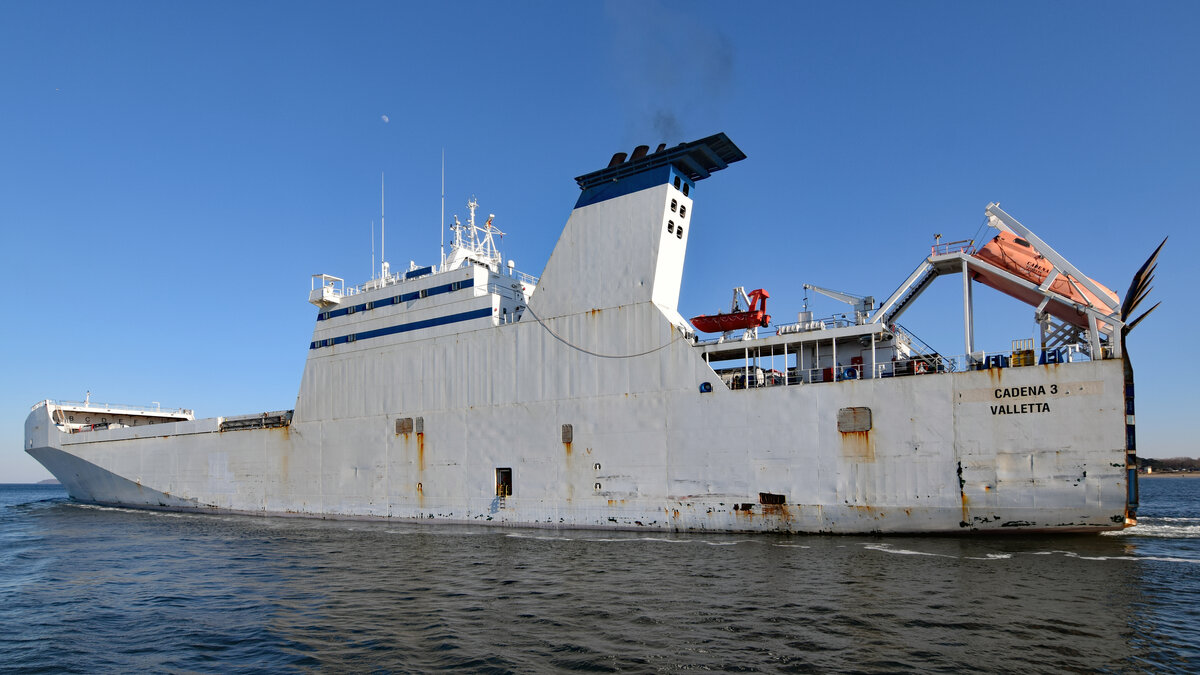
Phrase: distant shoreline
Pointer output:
(1172, 474)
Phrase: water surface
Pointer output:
(93, 589)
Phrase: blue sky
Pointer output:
(171, 174)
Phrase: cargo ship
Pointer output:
(468, 392)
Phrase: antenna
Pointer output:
(372, 249)
(442, 220)
(382, 250)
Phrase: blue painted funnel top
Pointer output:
(689, 162)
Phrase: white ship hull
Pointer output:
(419, 413)
(667, 464)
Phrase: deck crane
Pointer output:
(862, 305)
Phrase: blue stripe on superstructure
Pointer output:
(392, 300)
(405, 327)
(661, 175)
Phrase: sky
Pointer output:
(172, 174)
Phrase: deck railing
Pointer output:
(966, 246)
(760, 376)
(108, 407)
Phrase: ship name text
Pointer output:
(1022, 392)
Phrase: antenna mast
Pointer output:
(382, 250)
(372, 249)
(442, 219)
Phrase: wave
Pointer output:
(887, 548)
(1169, 528)
(626, 540)
(122, 509)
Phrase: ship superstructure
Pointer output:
(466, 391)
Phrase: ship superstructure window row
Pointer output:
(397, 299)
(403, 328)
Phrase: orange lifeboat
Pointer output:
(1013, 254)
(756, 315)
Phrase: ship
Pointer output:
(468, 392)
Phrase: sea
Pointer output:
(89, 589)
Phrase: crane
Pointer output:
(862, 305)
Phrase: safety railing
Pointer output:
(754, 377)
(506, 291)
(526, 278)
(108, 407)
(964, 246)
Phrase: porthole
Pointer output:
(679, 232)
(674, 204)
(597, 486)
(676, 182)
(596, 466)
(685, 189)
(682, 211)
(670, 227)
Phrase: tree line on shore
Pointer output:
(1169, 465)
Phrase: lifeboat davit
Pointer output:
(1013, 254)
(755, 316)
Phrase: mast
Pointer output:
(442, 218)
(382, 250)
